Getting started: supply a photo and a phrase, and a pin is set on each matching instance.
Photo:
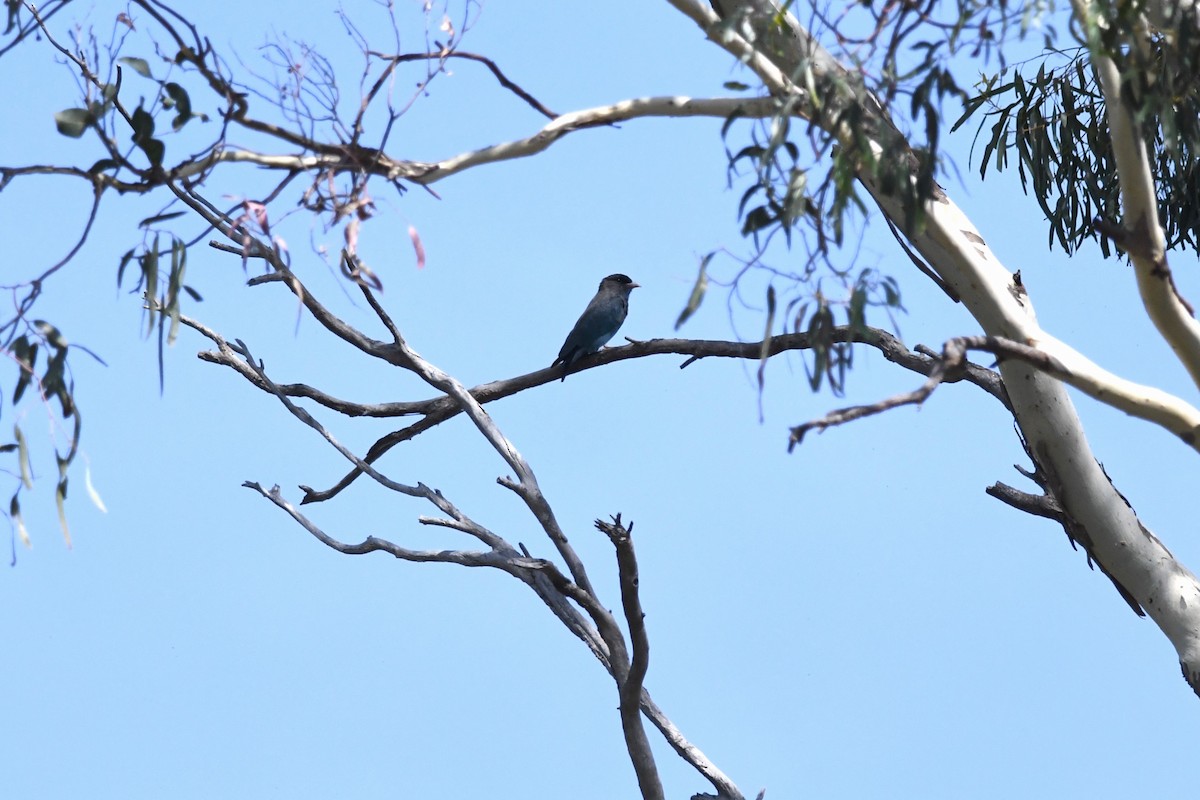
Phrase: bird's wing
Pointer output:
(596, 325)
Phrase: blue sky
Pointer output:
(855, 619)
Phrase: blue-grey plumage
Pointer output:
(599, 322)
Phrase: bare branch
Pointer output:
(436, 410)
(588, 118)
(630, 689)
(448, 54)
(1039, 505)
(1144, 402)
(606, 640)
(374, 544)
(323, 157)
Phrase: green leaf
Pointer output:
(66, 401)
(143, 136)
(143, 125)
(60, 496)
(857, 312)
(891, 292)
(819, 328)
(764, 352)
(698, 292)
(150, 273)
(732, 118)
(103, 165)
(125, 259)
(178, 266)
(148, 221)
(73, 121)
(91, 490)
(26, 354)
(138, 65)
(14, 512)
(756, 220)
(14, 15)
(52, 334)
(23, 457)
(181, 101)
(155, 150)
(735, 86)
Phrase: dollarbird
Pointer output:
(599, 322)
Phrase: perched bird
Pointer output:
(599, 321)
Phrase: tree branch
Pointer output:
(630, 689)
(543, 576)
(1144, 402)
(1142, 235)
(504, 80)
(436, 410)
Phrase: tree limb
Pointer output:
(1144, 402)
(1142, 233)
(630, 689)
(436, 410)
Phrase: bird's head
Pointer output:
(619, 282)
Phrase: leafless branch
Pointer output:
(1144, 402)
(448, 54)
(1039, 505)
(436, 410)
(630, 689)
(606, 640)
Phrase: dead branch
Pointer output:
(630, 689)
(1144, 402)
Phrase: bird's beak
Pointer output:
(634, 285)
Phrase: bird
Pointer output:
(599, 322)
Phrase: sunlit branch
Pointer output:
(308, 419)
(1053, 358)
(621, 535)
(504, 80)
(1142, 234)
(436, 410)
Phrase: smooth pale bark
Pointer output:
(1134, 558)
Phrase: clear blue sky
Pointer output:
(856, 619)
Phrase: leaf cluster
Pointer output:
(1054, 122)
(40, 356)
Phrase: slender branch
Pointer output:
(372, 544)
(431, 172)
(630, 689)
(588, 118)
(549, 584)
(606, 640)
(442, 408)
(1144, 402)
(1142, 235)
(328, 157)
(308, 419)
(436, 410)
(527, 487)
(321, 158)
(487, 62)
